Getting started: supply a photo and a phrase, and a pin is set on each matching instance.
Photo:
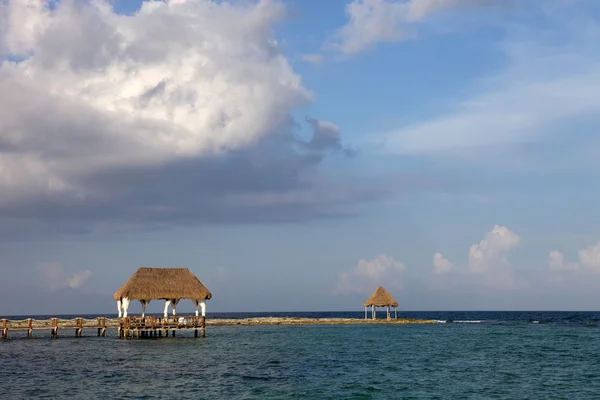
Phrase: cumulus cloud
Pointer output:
(375, 21)
(53, 276)
(172, 115)
(491, 251)
(368, 274)
(589, 257)
(441, 265)
(177, 79)
(77, 279)
(589, 260)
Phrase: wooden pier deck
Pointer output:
(126, 327)
(157, 326)
(152, 326)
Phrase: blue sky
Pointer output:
(307, 151)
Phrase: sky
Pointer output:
(297, 154)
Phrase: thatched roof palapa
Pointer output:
(163, 283)
(381, 298)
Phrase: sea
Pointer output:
(466, 355)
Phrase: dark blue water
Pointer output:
(525, 355)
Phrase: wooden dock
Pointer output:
(159, 326)
(141, 327)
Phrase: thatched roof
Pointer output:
(163, 283)
(381, 298)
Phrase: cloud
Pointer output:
(441, 265)
(79, 278)
(556, 260)
(312, 58)
(589, 258)
(368, 274)
(173, 115)
(53, 277)
(326, 136)
(491, 251)
(546, 85)
(375, 21)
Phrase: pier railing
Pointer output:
(53, 325)
(129, 326)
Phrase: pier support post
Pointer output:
(29, 327)
(54, 332)
(203, 325)
(79, 327)
(4, 330)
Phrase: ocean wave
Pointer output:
(441, 321)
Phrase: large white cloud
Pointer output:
(368, 274)
(492, 249)
(92, 89)
(177, 113)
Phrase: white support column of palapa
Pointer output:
(395, 312)
(202, 305)
(120, 307)
(373, 312)
(365, 312)
(144, 304)
(125, 301)
(174, 305)
(167, 302)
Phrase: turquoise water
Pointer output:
(443, 361)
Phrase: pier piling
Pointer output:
(54, 332)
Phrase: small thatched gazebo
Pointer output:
(381, 298)
(169, 284)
